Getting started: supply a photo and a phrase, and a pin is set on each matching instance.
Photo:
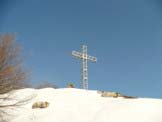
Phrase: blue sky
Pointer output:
(125, 36)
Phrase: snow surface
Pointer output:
(76, 105)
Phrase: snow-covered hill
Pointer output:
(76, 105)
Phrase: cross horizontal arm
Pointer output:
(80, 56)
(77, 54)
(91, 58)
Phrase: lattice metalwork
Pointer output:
(85, 58)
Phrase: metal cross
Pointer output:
(84, 57)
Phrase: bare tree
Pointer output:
(12, 73)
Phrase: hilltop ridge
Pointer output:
(78, 105)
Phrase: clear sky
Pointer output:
(125, 36)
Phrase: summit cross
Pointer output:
(85, 58)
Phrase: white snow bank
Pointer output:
(76, 105)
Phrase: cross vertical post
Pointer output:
(84, 57)
(84, 67)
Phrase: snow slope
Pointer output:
(76, 105)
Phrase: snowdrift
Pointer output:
(76, 105)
